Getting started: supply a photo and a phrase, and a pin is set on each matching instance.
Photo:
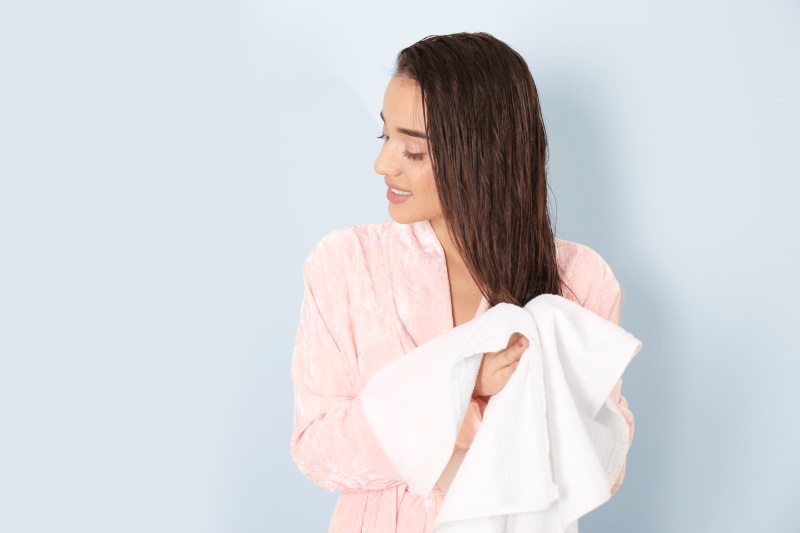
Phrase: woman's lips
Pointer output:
(397, 198)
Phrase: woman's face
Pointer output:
(404, 160)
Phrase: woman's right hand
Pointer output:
(497, 367)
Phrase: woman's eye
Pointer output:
(413, 157)
(384, 137)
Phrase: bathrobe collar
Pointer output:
(420, 283)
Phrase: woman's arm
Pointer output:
(622, 405)
(472, 421)
(331, 442)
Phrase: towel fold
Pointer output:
(551, 442)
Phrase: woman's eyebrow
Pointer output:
(410, 133)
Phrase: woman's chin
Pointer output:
(402, 217)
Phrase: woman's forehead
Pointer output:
(402, 105)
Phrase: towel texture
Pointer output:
(551, 442)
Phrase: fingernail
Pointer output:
(520, 342)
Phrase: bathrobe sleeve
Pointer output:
(331, 441)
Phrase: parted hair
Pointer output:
(488, 149)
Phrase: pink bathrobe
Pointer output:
(372, 293)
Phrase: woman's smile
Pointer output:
(396, 197)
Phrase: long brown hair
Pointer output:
(488, 149)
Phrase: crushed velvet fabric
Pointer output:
(372, 293)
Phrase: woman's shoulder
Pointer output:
(342, 246)
(576, 258)
(587, 278)
(370, 243)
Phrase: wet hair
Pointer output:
(488, 149)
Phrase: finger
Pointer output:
(515, 352)
(511, 342)
(508, 370)
(522, 341)
(513, 339)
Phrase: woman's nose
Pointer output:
(385, 164)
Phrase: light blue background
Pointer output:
(167, 166)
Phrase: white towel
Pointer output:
(551, 443)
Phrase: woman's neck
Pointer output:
(454, 259)
(464, 292)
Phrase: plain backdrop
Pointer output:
(167, 167)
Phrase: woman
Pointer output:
(463, 158)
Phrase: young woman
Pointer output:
(463, 159)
